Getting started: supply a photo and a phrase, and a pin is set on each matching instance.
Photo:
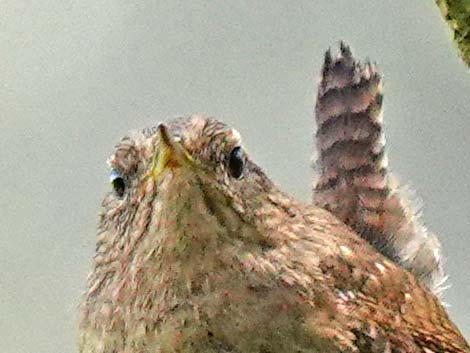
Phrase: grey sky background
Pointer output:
(75, 76)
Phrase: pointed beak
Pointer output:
(170, 154)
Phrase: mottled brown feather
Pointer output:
(193, 260)
(353, 180)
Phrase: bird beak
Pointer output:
(170, 154)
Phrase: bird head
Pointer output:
(187, 179)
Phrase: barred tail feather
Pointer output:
(354, 182)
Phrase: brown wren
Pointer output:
(198, 251)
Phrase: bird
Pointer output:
(353, 180)
(198, 250)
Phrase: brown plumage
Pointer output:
(354, 182)
(198, 251)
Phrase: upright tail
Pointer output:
(354, 182)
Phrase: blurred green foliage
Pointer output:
(457, 15)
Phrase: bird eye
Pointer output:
(118, 182)
(236, 163)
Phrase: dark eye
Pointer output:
(236, 163)
(118, 182)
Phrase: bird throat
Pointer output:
(179, 265)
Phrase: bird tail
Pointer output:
(353, 178)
